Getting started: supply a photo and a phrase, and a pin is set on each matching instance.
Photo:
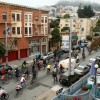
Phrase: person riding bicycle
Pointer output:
(49, 67)
(22, 79)
(3, 71)
(26, 72)
(24, 64)
(34, 74)
(18, 88)
(16, 72)
(2, 93)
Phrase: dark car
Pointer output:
(64, 79)
(58, 52)
(7, 67)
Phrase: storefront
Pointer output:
(34, 47)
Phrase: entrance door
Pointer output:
(23, 53)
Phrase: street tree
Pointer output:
(66, 16)
(54, 23)
(65, 29)
(2, 50)
(85, 12)
(56, 37)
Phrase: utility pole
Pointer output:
(70, 49)
(6, 35)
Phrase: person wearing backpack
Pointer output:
(55, 75)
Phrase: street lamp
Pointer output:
(96, 67)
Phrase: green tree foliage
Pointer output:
(97, 28)
(64, 29)
(89, 38)
(2, 50)
(86, 12)
(56, 37)
(66, 16)
(54, 23)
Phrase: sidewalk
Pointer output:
(17, 63)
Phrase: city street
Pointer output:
(43, 83)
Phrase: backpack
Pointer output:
(54, 74)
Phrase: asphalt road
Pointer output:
(43, 83)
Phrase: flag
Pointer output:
(92, 69)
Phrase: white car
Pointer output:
(47, 55)
(91, 80)
(81, 70)
(89, 63)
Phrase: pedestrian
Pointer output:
(44, 63)
(61, 69)
(55, 76)
(38, 65)
(83, 55)
(33, 67)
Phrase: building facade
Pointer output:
(28, 30)
(81, 26)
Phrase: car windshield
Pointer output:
(80, 68)
(45, 54)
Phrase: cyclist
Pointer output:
(18, 88)
(26, 72)
(48, 68)
(3, 71)
(16, 72)
(22, 81)
(2, 93)
(3, 77)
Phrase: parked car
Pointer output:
(7, 67)
(64, 78)
(58, 52)
(47, 55)
(91, 60)
(81, 70)
(76, 47)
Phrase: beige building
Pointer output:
(81, 26)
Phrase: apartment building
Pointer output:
(81, 26)
(28, 30)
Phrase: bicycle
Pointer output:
(5, 81)
(18, 93)
(4, 96)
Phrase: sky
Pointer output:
(38, 3)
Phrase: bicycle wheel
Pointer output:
(6, 97)
(7, 81)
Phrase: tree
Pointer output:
(86, 12)
(89, 38)
(64, 29)
(2, 50)
(54, 23)
(66, 16)
(56, 37)
(97, 28)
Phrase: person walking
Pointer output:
(44, 63)
(38, 65)
(55, 74)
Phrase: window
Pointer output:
(36, 18)
(13, 30)
(4, 16)
(44, 40)
(26, 30)
(45, 19)
(26, 18)
(13, 17)
(18, 17)
(46, 30)
(73, 25)
(30, 18)
(42, 19)
(18, 30)
(30, 30)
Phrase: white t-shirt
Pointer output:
(2, 91)
(22, 79)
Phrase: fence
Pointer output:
(73, 88)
